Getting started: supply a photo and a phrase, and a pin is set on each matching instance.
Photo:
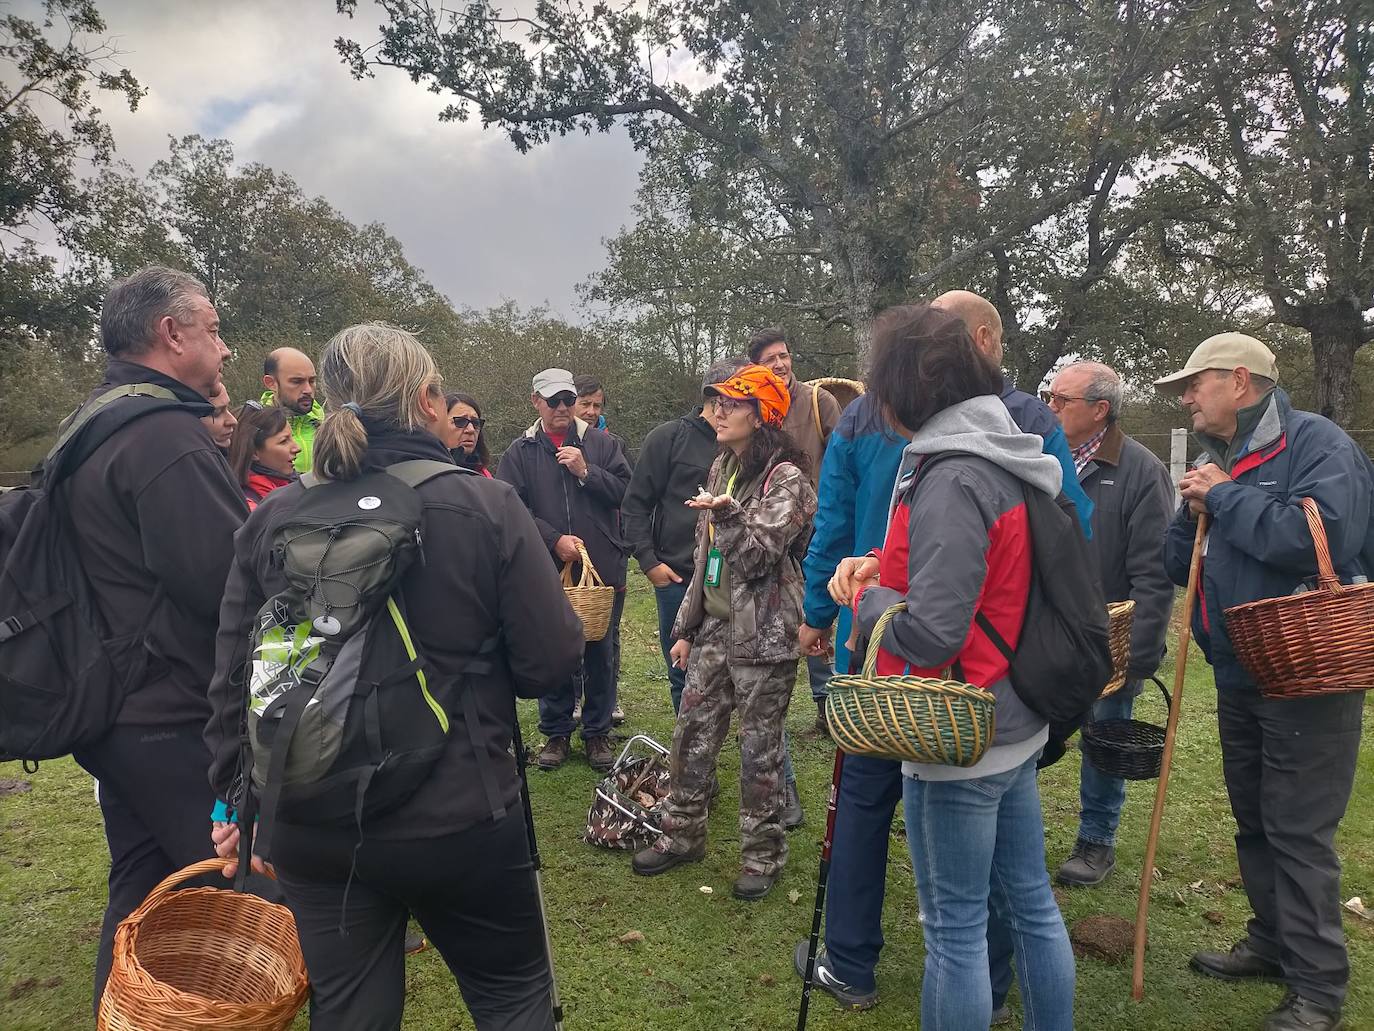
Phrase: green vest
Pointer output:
(302, 430)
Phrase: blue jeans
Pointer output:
(869, 792)
(819, 671)
(976, 843)
(1100, 796)
(669, 600)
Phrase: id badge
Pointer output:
(713, 568)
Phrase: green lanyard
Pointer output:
(713, 557)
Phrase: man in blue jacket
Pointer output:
(857, 477)
(1289, 765)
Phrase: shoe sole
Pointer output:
(1070, 883)
(684, 861)
(852, 1003)
(752, 898)
(1217, 975)
(549, 767)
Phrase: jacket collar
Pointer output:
(576, 433)
(388, 446)
(119, 373)
(1109, 451)
(1269, 429)
(315, 415)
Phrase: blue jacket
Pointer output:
(1034, 416)
(1259, 545)
(857, 474)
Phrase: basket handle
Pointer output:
(875, 639)
(1327, 580)
(171, 881)
(589, 576)
(1168, 698)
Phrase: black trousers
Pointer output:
(1289, 768)
(473, 892)
(156, 800)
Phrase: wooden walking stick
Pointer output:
(1185, 635)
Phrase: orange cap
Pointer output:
(760, 385)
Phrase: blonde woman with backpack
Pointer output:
(485, 620)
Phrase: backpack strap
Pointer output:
(422, 470)
(816, 411)
(96, 422)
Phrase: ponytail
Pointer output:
(371, 375)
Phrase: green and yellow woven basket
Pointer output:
(915, 719)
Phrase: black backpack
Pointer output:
(62, 678)
(1063, 658)
(344, 717)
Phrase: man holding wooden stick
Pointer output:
(1289, 764)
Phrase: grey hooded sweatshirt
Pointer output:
(965, 518)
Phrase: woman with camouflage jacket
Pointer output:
(736, 632)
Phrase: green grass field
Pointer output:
(708, 961)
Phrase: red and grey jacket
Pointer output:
(262, 482)
(1259, 545)
(958, 543)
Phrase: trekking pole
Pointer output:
(1185, 634)
(823, 878)
(519, 742)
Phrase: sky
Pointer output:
(485, 222)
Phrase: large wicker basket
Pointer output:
(590, 598)
(202, 958)
(917, 719)
(1120, 615)
(845, 391)
(1314, 643)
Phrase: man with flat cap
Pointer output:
(1289, 765)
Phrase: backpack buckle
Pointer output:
(11, 627)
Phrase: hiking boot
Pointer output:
(752, 886)
(849, 997)
(792, 814)
(554, 753)
(822, 725)
(1240, 964)
(600, 754)
(1001, 1015)
(1088, 864)
(1298, 1014)
(658, 858)
(617, 715)
(415, 942)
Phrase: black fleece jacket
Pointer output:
(672, 467)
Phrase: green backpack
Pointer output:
(344, 716)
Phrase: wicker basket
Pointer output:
(845, 391)
(1315, 643)
(1129, 749)
(204, 958)
(917, 719)
(1120, 615)
(590, 598)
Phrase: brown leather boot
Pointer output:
(600, 754)
(554, 753)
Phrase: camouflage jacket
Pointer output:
(757, 535)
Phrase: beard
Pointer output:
(303, 404)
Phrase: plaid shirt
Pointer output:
(1083, 454)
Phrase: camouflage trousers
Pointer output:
(714, 689)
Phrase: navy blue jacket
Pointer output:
(1259, 545)
(1032, 415)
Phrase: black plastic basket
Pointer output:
(1129, 749)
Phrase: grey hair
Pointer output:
(1104, 385)
(135, 305)
(722, 370)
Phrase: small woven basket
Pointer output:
(202, 958)
(1314, 643)
(1120, 615)
(590, 598)
(845, 391)
(917, 719)
(1129, 749)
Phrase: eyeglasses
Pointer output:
(1060, 400)
(729, 405)
(563, 400)
(462, 422)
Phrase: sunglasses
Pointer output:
(462, 422)
(253, 406)
(563, 400)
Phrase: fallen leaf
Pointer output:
(1196, 886)
(706, 889)
(1357, 906)
(630, 937)
(1213, 917)
(1155, 875)
(794, 896)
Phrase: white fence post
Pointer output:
(1178, 454)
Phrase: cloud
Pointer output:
(484, 222)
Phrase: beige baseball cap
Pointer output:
(1223, 351)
